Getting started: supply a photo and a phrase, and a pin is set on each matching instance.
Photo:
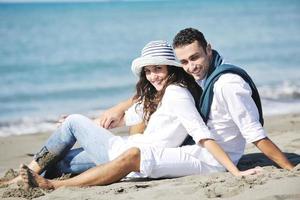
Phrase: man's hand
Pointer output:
(61, 119)
(111, 118)
(138, 128)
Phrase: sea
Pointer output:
(59, 58)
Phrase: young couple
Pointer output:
(167, 101)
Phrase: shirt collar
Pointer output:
(201, 82)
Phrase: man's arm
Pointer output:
(266, 146)
(112, 117)
(237, 95)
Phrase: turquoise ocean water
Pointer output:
(62, 58)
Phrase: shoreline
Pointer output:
(31, 125)
(282, 129)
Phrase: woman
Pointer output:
(165, 102)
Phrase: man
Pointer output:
(235, 106)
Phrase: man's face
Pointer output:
(194, 59)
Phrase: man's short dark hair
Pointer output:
(188, 36)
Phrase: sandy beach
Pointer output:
(273, 183)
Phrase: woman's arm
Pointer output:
(181, 104)
(224, 159)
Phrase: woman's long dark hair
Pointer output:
(150, 97)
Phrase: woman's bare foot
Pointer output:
(32, 179)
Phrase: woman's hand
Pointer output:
(256, 170)
(221, 156)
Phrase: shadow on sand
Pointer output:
(258, 159)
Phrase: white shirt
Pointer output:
(233, 119)
(169, 125)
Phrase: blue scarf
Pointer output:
(215, 71)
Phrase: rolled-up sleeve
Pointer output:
(236, 94)
(182, 105)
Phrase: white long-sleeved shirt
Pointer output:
(169, 125)
(233, 119)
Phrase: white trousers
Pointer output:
(174, 162)
(159, 162)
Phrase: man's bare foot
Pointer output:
(31, 179)
(10, 181)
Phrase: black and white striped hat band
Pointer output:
(158, 48)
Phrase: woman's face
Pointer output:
(157, 75)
